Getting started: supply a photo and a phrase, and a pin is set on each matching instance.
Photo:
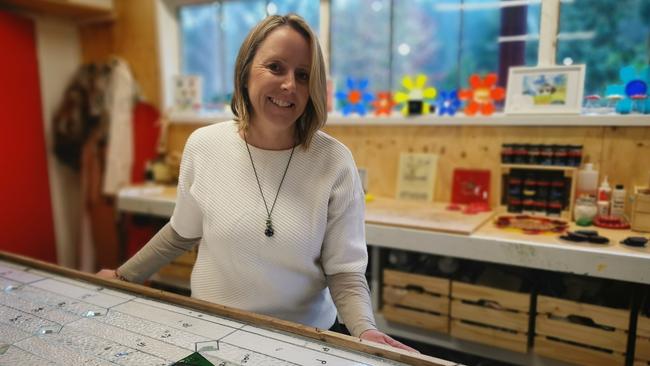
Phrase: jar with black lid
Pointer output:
(534, 154)
(546, 155)
(507, 153)
(560, 153)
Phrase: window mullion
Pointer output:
(549, 23)
(325, 29)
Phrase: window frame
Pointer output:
(169, 41)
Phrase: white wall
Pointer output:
(59, 56)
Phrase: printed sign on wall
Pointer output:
(416, 176)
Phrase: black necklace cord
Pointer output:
(269, 225)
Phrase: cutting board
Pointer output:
(419, 215)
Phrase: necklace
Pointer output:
(269, 223)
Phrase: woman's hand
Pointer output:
(107, 273)
(379, 337)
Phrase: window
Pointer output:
(605, 35)
(447, 40)
(211, 34)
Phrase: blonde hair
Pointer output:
(315, 114)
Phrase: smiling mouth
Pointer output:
(281, 103)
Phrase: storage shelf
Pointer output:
(496, 120)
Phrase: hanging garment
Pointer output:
(120, 99)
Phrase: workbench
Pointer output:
(485, 243)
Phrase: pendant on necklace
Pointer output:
(269, 228)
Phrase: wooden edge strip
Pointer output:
(351, 343)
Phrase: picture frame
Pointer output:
(545, 90)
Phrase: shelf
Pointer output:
(335, 119)
(85, 11)
(494, 120)
(449, 342)
(539, 167)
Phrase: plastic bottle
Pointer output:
(604, 197)
(618, 201)
(587, 184)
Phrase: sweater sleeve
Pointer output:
(187, 218)
(344, 244)
(351, 296)
(160, 250)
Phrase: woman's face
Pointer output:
(278, 83)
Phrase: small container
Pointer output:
(514, 205)
(585, 210)
(554, 208)
(618, 201)
(560, 155)
(574, 155)
(587, 184)
(558, 191)
(546, 155)
(534, 154)
(520, 153)
(507, 153)
(603, 208)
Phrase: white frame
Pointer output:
(574, 93)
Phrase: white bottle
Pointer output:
(618, 201)
(587, 184)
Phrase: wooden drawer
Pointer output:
(487, 315)
(416, 300)
(604, 343)
(566, 352)
(642, 347)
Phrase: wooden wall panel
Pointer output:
(133, 37)
(621, 153)
(626, 156)
(377, 148)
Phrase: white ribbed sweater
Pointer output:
(318, 222)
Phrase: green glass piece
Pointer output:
(195, 359)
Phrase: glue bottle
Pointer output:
(604, 196)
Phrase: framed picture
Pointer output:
(550, 90)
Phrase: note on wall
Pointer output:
(416, 176)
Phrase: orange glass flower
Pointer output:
(482, 94)
(383, 103)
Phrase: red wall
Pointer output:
(26, 225)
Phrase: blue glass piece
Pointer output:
(627, 73)
(636, 87)
(350, 83)
(347, 109)
(624, 106)
(367, 97)
(363, 83)
(342, 95)
(615, 90)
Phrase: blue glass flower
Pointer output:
(448, 103)
(635, 84)
(356, 98)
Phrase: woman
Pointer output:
(275, 205)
